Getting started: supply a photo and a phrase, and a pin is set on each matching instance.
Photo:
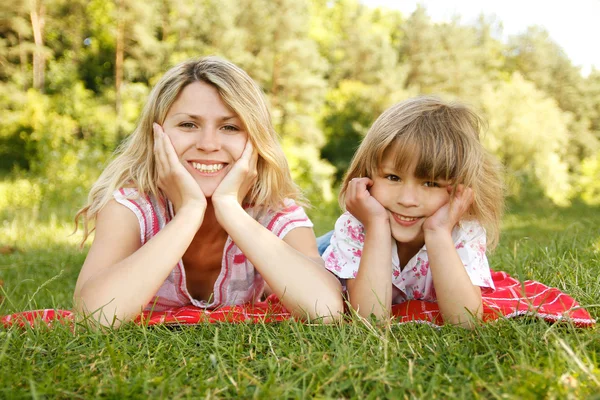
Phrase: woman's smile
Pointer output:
(207, 168)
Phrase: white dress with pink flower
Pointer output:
(414, 281)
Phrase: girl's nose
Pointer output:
(208, 140)
(408, 196)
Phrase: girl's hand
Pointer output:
(448, 215)
(240, 179)
(174, 180)
(362, 205)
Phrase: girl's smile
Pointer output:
(404, 220)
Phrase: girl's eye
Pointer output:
(187, 125)
(431, 184)
(393, 178)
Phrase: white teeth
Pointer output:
(403, 218)
(207, 167)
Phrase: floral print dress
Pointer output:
(414, 281)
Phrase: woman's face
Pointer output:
(208, 136)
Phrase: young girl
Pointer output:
(198, 208)
(423, 200)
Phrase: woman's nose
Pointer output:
(208, 140)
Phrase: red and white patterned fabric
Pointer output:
(510, 299)
(238, 282)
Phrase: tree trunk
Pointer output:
(119, 56)
(37, 14)
(22, 59)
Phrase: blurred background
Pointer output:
(74, 75)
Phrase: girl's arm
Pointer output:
(119, 276)
(371, 291)
(291, 267)
(459, 300)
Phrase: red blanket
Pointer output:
(510, 299)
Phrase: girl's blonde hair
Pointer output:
(444, 137)
(133, 163)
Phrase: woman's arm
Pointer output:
(119, 276)
(459, 300)
(291, 267)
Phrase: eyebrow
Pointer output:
(199, 117)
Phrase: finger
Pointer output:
(169, 150)
(469, 195)
(352, 188)
(159, 148)
(464, 198)
(254, 162)
(248, 151)
(362, 187)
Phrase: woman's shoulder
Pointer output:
(135, 195)
(288, 206)
(280, 219)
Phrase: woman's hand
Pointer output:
(362, 205)
(174, 180)
(448, 215)
(240, 179)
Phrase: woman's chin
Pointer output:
(208, 189)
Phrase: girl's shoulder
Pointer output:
(468, 229)
(349, 229)
(347, 220)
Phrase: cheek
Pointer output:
(378, 192)
(441, 199)
(178, 140)
(235, 144)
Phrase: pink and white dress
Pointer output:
(238, 282)
(414, 281)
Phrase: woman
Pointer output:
(198, 207)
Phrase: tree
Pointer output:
(542, 61)
(528, 132)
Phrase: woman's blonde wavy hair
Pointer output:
(444, 136)
(133, 162)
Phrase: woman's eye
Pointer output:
(393, 178)
(187, 125)
(431, 184)
(232, 128)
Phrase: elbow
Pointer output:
(325, 311)
(94, 315)
(469, 319)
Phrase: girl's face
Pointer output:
(207, 135)
(408, 200)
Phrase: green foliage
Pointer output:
(589, 181)
(528, 132)
(19, 196)
(328, 69)
(349, 111)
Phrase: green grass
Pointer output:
(521, 358)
